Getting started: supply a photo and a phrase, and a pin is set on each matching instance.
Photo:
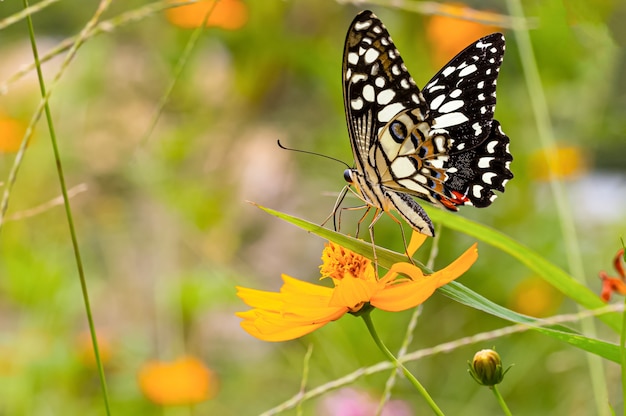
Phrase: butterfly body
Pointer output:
(440, 144)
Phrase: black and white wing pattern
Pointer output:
(440, 144)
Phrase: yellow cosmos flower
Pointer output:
(300, 307)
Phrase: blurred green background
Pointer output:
(166, 233)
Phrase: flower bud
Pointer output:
(486, 368)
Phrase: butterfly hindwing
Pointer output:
(440, 144)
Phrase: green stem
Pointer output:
(68, 210)
(622, 352)
(501, 401)
(370, 326)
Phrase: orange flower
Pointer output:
(85, 348)
(181, 382)
(564, 162)
(227, 14)
(614, 284)
(11, 134)
(300, 307)
(535, 297)
(449, 33)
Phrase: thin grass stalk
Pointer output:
(79, 264)
(566, 220)
(443, 348)
(105, 26)
(178, 70)
(8, 21)
(305, 377)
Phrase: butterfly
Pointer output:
(440, 144)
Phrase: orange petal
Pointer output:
(459, 266)
(405, 295)
(268, 326)
(352, 291)
(293, 292)
(611, 285)
(417, 239)
(299, 287)
(402, 296)
(277, 334)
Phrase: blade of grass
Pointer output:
(79, 264)
(551, 273)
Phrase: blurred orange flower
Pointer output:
(564, 162)
(227, 14)
(11, 134)
(535, 297)
(85, 348)
(450, 32)
(614, 284)
(181, 382)
(301, 307)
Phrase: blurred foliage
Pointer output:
(166, 233)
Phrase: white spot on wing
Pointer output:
(468, 70)
(389, 112)
(450, 119)
(353, 58)
(456, 93)
(356, 104)
(491, 146)
(488, 176)
(362, 25)
(371, 55)
(437, 101)
(448, 71)
(385, 96)
(477, 130)
(476, 190)
(368, 93)
(451, 106)
(484, 162)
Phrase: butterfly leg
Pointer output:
(406, 247)
(333, 213)
(379, 213)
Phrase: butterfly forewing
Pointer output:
(440, 144)
(376, 83)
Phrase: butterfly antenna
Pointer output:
(312, 153)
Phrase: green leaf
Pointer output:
(462, 294)
(551, 273)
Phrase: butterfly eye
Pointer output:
(347, 175)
